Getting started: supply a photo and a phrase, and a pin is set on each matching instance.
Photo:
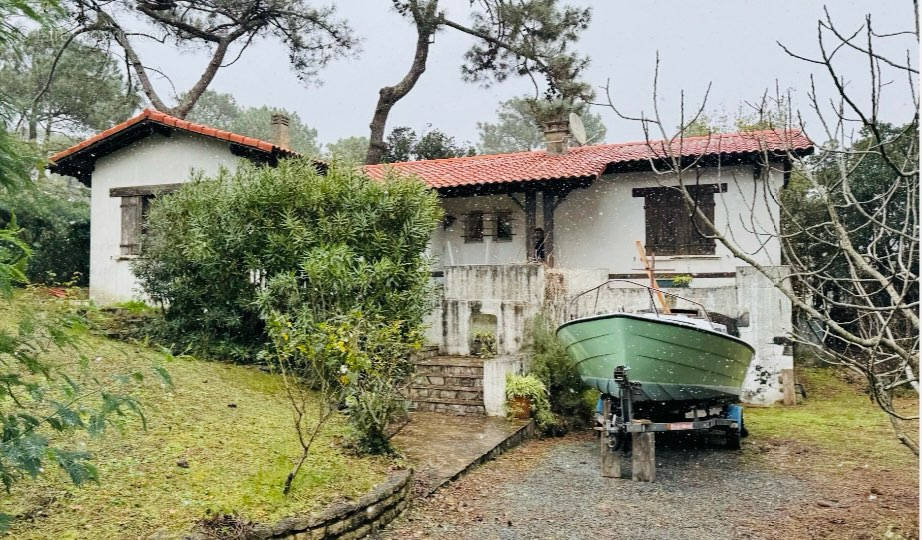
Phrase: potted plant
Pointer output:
(682, 281)
(484, 344)
(525, 393)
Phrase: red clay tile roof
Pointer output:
(584, 161)
(158, 117)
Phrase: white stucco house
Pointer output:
(527, 231)
(128, 164)
(523, 232)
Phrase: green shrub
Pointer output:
(361, 359)
(54, 218)
(485, 344)
(551, 365)
(350, 243)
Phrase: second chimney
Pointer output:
(556, 136)
(280, 135)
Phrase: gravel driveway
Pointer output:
(552, 489)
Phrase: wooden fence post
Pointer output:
(787, 386)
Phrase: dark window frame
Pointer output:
(671, 228)
(473, 227)
(504, 230)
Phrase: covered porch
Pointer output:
(497, 224)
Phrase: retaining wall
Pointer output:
(346, 521)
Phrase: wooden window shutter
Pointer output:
(504, 226)
(132, 220)
(661, 213)
(696, 243)
(672, 224)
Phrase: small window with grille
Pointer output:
(504, 226)
(473, 227)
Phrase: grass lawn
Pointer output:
(842, 444)
(230, 424)
(838, 418)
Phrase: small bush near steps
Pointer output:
(569, 400)
(530, 389)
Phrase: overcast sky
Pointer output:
(729, 43)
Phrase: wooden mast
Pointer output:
(649, 268)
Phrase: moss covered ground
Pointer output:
(837, 417)
(218, 441)
(865, 483)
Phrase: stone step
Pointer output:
(428, 393)
(425, 353)
(448, 384)
(450, 401)
(468, 381)
(449, 371)
(450, 408)
(456, 388)
(467, 361)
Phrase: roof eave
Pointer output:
(516, 186)
(81, 163)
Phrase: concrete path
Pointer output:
(443, 447)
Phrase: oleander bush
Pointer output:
(349, 241)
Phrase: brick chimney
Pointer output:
(556, 136)
(280, 135)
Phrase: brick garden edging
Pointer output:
(346, 521)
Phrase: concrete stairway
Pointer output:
(449, 384)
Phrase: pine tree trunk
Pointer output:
(426, 24)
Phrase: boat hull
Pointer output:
(670, 361)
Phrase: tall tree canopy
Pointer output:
(349, 149)
(13, 10)
(222, 111)
(404, 145)
(78, 91)
(517, 128)
(526, 38)
(226, 28)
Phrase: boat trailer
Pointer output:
(621, 433)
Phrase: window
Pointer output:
(473, 227)
(135, 205)
(504, 226)
(672, 227)
(134, 217)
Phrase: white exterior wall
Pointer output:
(596, 227)
(451, 249)
(152, 160)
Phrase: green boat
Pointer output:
(669, 358)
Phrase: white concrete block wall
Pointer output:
(769, 313)
(494, 381)
(503, 292)
(449, 247)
